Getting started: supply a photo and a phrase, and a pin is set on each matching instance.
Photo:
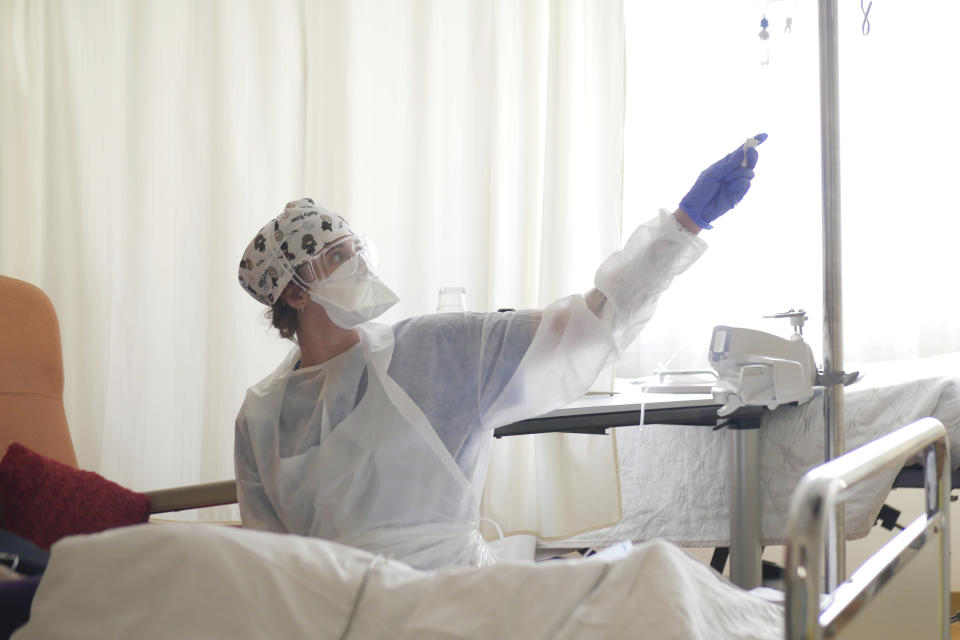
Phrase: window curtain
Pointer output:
(696, 88)
(144, 144)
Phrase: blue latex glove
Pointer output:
(720, 187)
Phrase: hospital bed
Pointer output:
(209, 581)
(675, 482)
(903, 590)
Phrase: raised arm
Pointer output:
(576, 336)
(630, 281)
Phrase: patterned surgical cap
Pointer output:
(285, 243)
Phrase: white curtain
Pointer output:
(696, 88)
(144, 143)
(480, 143)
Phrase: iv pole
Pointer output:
(833, 419)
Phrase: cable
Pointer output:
(359, 596)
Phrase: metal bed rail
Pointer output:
(920, 553)
(196, 496)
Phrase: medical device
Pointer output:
(679, 381)
(765, 46)
(758, 368)
(751, 142)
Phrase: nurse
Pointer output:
(377, 436)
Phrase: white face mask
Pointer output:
(354, 299)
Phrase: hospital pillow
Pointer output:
(43, 500)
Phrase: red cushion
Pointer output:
(44, 500)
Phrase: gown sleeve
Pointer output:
(256, 511)
(576, 336)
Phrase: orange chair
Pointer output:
(31, 393)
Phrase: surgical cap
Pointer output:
(284, 244)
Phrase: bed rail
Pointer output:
(919, 555)
(196, 496)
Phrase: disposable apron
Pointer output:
(382, 480)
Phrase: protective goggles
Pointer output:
(340, 259)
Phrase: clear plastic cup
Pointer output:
(452, 300)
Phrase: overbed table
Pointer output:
(624, 407)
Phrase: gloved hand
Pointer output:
(720, 187)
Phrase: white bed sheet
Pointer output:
(674, 481)
(207, 581)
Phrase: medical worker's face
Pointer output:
(331, 258)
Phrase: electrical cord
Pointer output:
(359, 596)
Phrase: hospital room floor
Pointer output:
(955, 606)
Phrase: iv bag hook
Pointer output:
(797, 318)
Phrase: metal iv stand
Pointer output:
(745, 494)
(833, 419)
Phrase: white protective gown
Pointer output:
(385, 446)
